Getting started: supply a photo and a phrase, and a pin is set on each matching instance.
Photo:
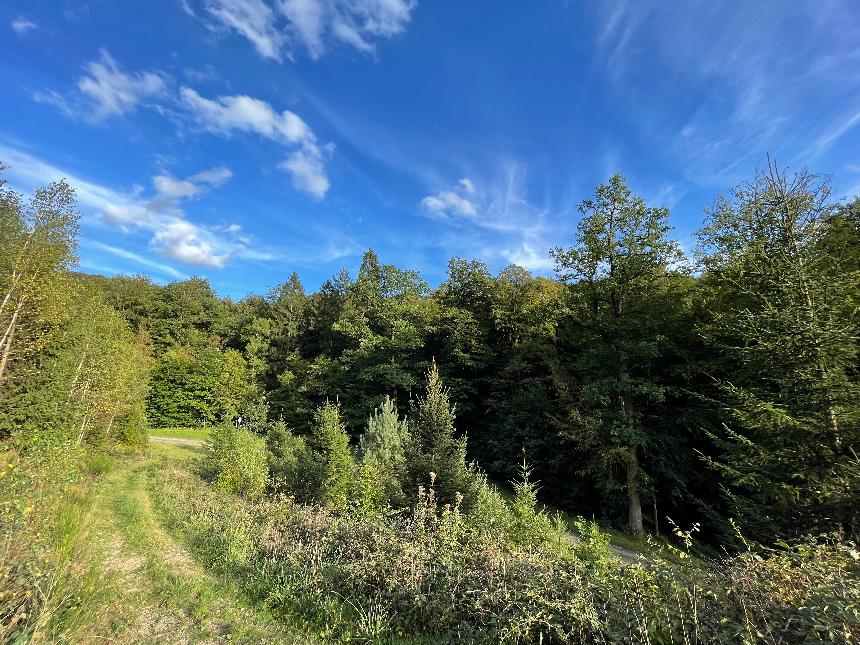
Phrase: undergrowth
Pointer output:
(436, 575)
(50, 583)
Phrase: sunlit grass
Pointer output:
(180, 433)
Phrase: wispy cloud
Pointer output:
(254, 20)
(21, 25)
(836, 130)
(717, 86)
(288, 26)
(172, 236)
(496, 220)
(138, 259)
(452, 202)
(169, 190)
(106, 90)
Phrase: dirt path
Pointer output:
(177, 441)
(162, 595)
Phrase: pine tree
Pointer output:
(382, 445)
(331, 443)
(433, 447)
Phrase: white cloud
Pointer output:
(188, 243)
(306, 167)
(311, 24)
(528, 257)
(170, 190)
(254, 20)
(851, 167)
(138, 259)
(21, 26)
(467, 185)
(496, 220)
(244, 113)
(226, 114)
(447, 202)
(173, 236)
(453, 201)
(105, 90)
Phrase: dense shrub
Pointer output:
(440, 575)
(238, 460)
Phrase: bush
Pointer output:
(444, 576)
(238, 460)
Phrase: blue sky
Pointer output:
(244, 139)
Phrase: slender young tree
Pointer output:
(619, 269)
(331, 443)
(434, 447)
(38, 243)
(382, 445)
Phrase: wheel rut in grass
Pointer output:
(162, 594)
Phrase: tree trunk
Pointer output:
(634, 504)
(6, 343)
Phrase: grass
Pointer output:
(180, 433)
(52, 587)
(165, 594)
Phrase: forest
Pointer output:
(388, 460)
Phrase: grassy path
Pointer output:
(162, 595)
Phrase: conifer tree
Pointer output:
(783, 308)
(331, 444)
(433, 446)
(382, 445)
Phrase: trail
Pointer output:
(161, 594)
(177, 441)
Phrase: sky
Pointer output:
(241, 140)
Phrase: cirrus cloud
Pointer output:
(287, 26)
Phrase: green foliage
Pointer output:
(285, 452)
(370, 493)
(332, 461)
(427, 574)
(238, 460)
(234, 389)
(183, 387)
(49, 590)
(382, 449)
(433, 451)
(532, 526)
(781, 288)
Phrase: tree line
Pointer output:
(638, 383)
